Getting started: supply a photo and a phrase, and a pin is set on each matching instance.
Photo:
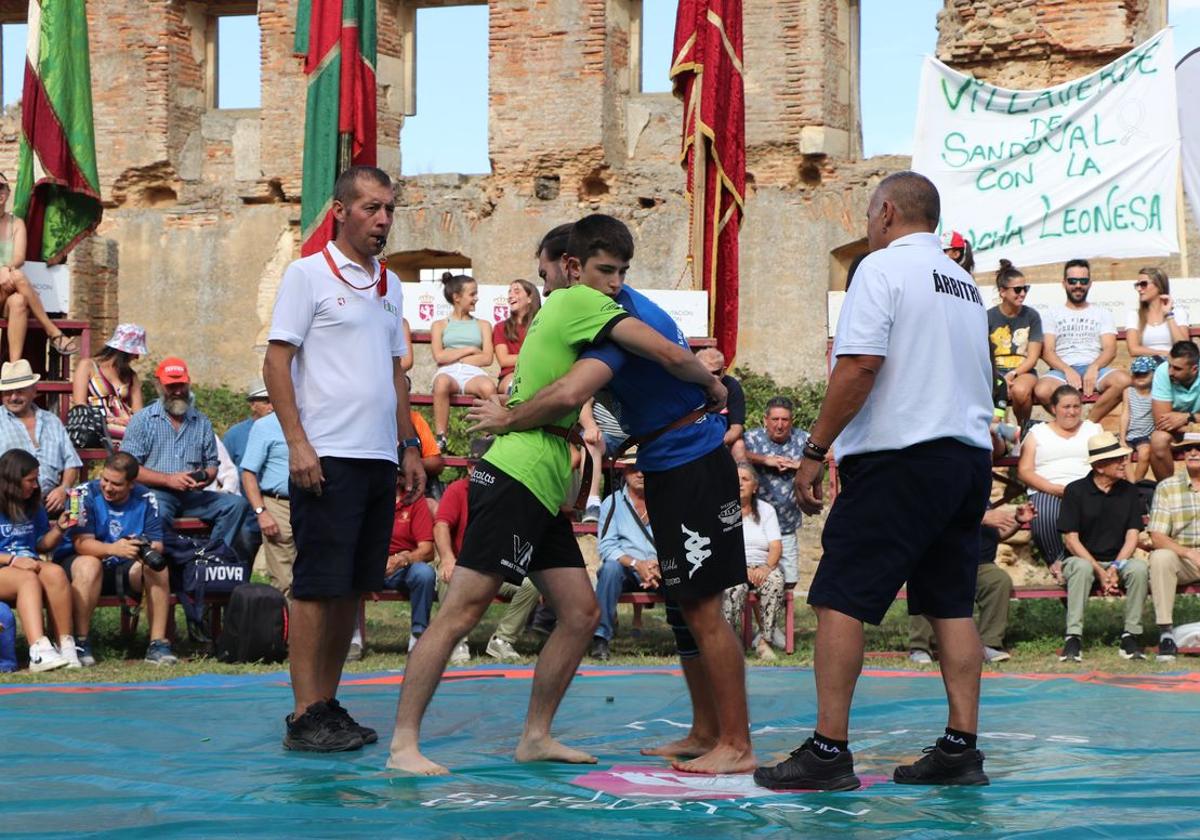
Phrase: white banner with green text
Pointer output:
(1084, 169)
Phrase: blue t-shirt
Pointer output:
(21, 538)
(137, 516)
(651, 398)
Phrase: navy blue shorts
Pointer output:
(905, 516)
(342, 535)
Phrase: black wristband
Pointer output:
(812, 456)
(815, 450)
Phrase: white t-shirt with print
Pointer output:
(759, 535)
(1157, 336)
(347, 339)
(913, 305)
(1077, 332)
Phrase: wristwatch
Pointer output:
(259, 510)
(413, 442)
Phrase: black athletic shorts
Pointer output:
(696, 519)
(108, 585)
(509, 532)
(342, 535)
(909, 515)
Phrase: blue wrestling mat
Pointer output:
(1069, 756)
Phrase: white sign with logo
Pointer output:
(53, 283)
(1117, 296)
(1087, 168)
(424, 303)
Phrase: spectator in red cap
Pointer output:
(957, 248)
(177, 449)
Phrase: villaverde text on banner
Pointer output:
(1087, 168)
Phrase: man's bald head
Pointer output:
(903, 203)
(713, 359)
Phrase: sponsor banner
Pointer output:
(424, 303)
(1039, 176)
(53, 283)
(1117, 296)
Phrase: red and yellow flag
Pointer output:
(337, 39)
(707, 75)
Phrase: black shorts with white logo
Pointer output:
(509, 532)
(342, 535)
(696, 519)
(905, 516)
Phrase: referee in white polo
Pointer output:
(908, 403)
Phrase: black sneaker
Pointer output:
(1167, 649)
(938, 767)
(320, 729)
(599, 649)
(1072, 650)
(805, 770)
(368, 735)
(1131, 648)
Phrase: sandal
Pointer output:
(65, 345)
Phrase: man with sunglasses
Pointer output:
(1080, 341)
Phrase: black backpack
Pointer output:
(256, 625)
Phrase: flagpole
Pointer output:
(1181, 222)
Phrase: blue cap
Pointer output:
(1143, 364)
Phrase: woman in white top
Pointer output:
(1052, 456)
(1156, 324)
(462, 347)
(764, 547)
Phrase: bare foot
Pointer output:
(411, 761)
(719, 760)
(548, 749)
(690, 746)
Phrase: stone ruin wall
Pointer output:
(202, 205)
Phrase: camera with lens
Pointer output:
(146, 553)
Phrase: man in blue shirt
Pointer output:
(102, 556)
(628, 558)
(235, 439)
(264, 474)
(695, 515)
(177, 449)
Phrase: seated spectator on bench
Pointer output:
(524, 301)
(265, 474)
(103, 556)
(734, 412)
(1015, 335)
(1100, 519)
(25, 534)
(259, 403)
(775, 452)
(1175, 532)
(628, 559)
(764, 547)
(449, 528)
(109, 382)
(993, 589)
(406, 361)
(462, 347)
(1052, 456)
(431, 453)
(410, 554)
(177, 449)
(1157, 323)
(17, 294)
(23, 425)
(1174, 402)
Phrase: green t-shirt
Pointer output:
(568, 322)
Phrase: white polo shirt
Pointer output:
(914, 306)
(342, 372)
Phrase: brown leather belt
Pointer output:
(574, 436)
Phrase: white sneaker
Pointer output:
(920, 657)
(498, 648)
(412, 642)
(461, 654)
(44, 657)
(66, 647)
(778, 639)
(991, 654)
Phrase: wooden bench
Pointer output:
(641, 600)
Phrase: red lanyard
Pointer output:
(380, 284)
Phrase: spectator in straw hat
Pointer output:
(24, 425)
(1175, 532)
(1100, 520)
(109, 381)
(628, 559)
